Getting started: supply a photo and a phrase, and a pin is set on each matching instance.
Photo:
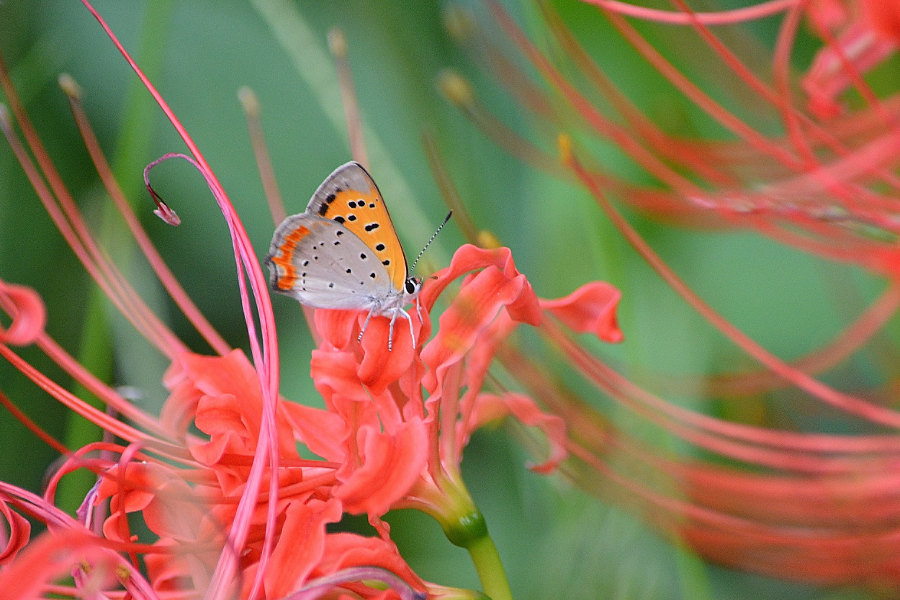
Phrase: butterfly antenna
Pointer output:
(431, 239)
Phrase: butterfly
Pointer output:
(343, 252)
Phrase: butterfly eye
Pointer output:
(413, 284)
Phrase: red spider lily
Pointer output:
(211, 517)
(808, 505)
(213, 496)
(406, 446)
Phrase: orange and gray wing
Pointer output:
(322, 264)
(350, 197)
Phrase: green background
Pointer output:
(555, 541)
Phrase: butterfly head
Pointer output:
(411, 288)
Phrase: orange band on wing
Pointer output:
(285, 254)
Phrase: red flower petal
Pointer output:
(470, 258)
(337, 327)
(343, 550)
(378, 367)
(391, 461)
(300, 545)
(229, 408)
(589, 309)
(478, 303)
(322, 431)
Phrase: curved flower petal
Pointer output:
(479, 301)
(589, 309)
(390, 464)
(228, 400)
(51, 557)
(470, 258)
(343, 550)
(337, 327)
(300, 546)
(884, 18)
(378, 366)
(168, 506)
(322, 431)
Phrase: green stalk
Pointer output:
(464, 526)
(489, 567)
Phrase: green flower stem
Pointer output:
(490, 570)
(464, 526)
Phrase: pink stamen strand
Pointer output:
(65, 214)
(781, 449)
(23, 307)
(842, 346)
(691, 91)
(165, 275)
(33, 427)
(265, 357)
(641, 155)
(644, 127)
(725, 17)
(802, 139)
(78, 405)
(848, 67)
(850, 404)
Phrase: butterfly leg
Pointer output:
(365, 324)
(391, 330)
(412, 333)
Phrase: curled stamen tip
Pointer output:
(162, 209)
(337, 42)
(249, 101)
(69, 86)
(455, 87)
(28, 314)
(167, 214)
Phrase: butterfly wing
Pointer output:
(323, 264)
(350, 197)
